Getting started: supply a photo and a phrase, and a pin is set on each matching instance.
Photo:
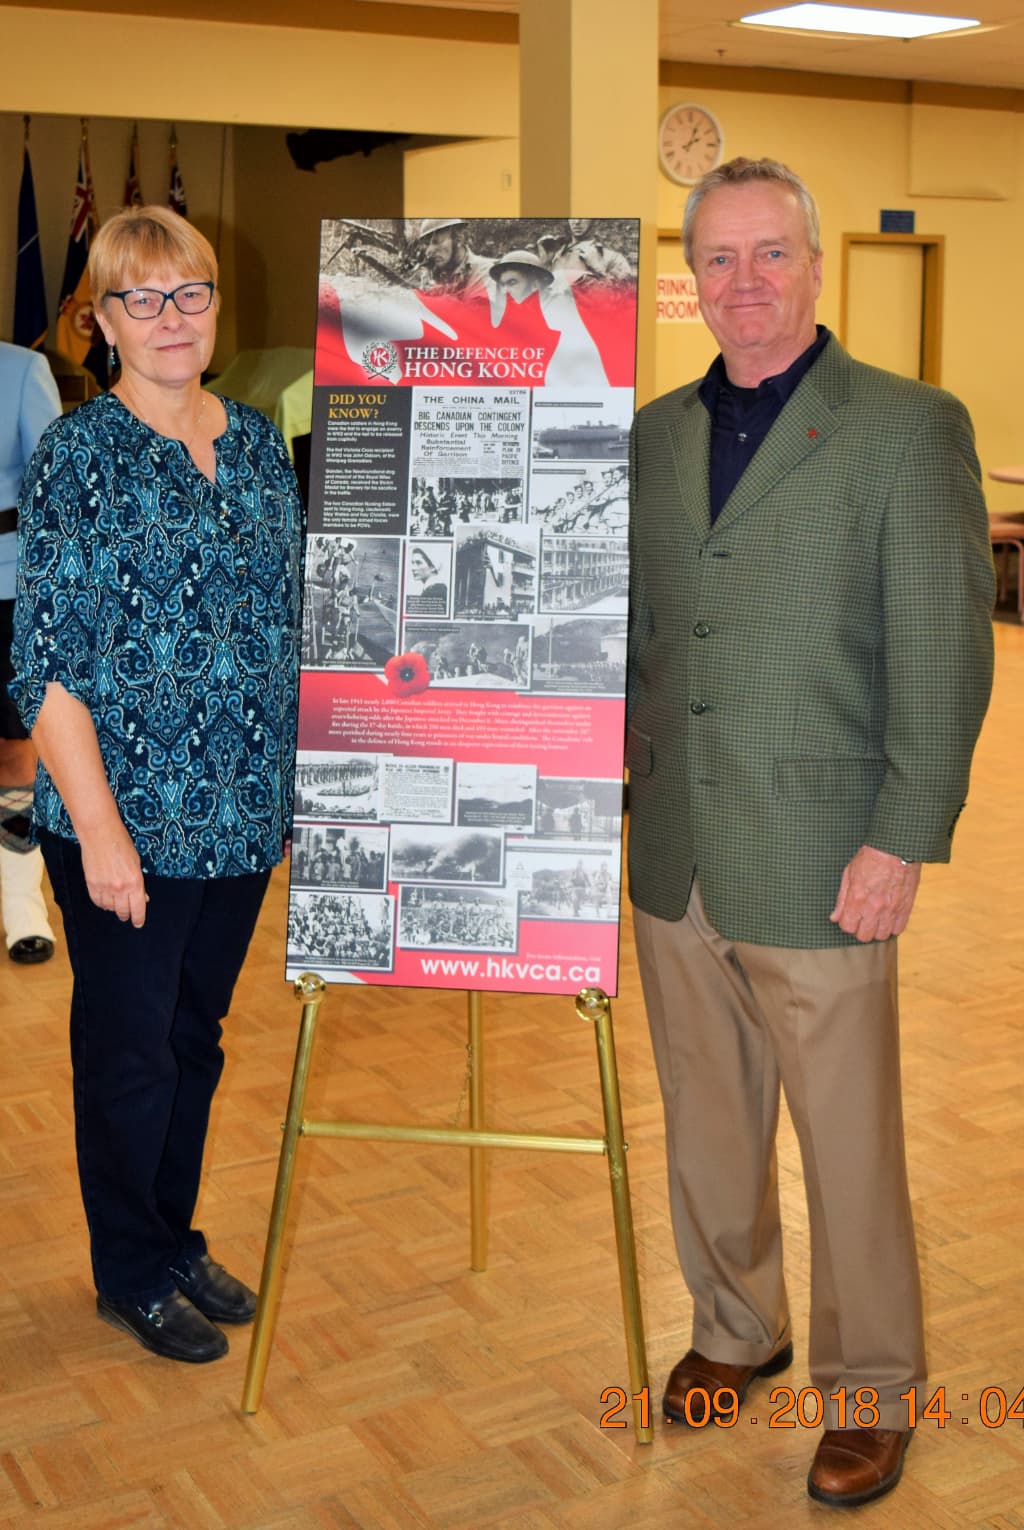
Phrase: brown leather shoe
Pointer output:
(695, 1371)
(853, 1466)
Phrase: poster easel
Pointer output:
(592, 1006)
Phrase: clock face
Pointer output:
(689, 143)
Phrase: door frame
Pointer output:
(934, 251)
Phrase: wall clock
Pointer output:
(689, 142)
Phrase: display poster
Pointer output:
(458, 787)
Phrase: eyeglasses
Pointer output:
(149, 302)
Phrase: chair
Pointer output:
(74, 384)
(1007, 532)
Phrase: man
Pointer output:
(443, 247)
(580, 254)
(28, 402)
(810, 663)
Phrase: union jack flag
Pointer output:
(74, 317)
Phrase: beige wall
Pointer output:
(279, 209)
(57, 61)
(479, 179)
(855, 155)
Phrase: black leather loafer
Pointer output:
(170, 1326)
(30, 949)
(217, 1294)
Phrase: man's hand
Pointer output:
(876, 895)
(113, 876)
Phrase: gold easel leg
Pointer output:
(477, 1156)
(594, 1005)
(311, 990)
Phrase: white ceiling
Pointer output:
(699, 31)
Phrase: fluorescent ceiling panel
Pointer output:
(856, 21)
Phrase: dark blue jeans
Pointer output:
(145, 1049)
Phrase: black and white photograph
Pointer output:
(571, 808)
(579, 655)
(590, 497)
(417, 790)
(495, 572)
(331, 786)
(428, 576)
(336, 856)
(502, 302)
(375, 248)
(496, 796)
(557, 881)
(473, 655)
(420, 853)
(588, 428)
(350, 616)
(585, 574)
(457, 918)
(438, 504)
(329, 931)
(592, 251)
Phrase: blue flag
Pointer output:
(30, 318)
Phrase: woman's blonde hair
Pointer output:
(139, 240)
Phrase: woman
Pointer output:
(431, 599)
(155, 657)
(28, 402)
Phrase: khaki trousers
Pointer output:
(729, 1021)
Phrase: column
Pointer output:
(588, 125)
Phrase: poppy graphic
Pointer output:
(407, 673)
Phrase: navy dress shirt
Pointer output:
(742, 417)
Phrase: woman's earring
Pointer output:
(111, 358)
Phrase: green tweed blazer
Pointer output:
(809, 674)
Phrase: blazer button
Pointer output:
(697, 707)
(701, 630)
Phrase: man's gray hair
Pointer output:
(738, 172)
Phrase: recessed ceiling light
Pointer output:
(856, 21)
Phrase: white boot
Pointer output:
(26, 925)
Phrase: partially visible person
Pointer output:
(155, 659)
(442, 245)
(533, 308)
(520, 273)
(578, 252)
(28, 402)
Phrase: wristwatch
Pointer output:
(907, 863)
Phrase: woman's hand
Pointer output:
(113, 875)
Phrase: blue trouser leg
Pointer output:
(145, 1048)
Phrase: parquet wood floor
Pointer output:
(406, 1393)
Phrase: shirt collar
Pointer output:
(781, 385)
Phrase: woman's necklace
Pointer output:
(195, 424)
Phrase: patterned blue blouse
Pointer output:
(169, 606)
